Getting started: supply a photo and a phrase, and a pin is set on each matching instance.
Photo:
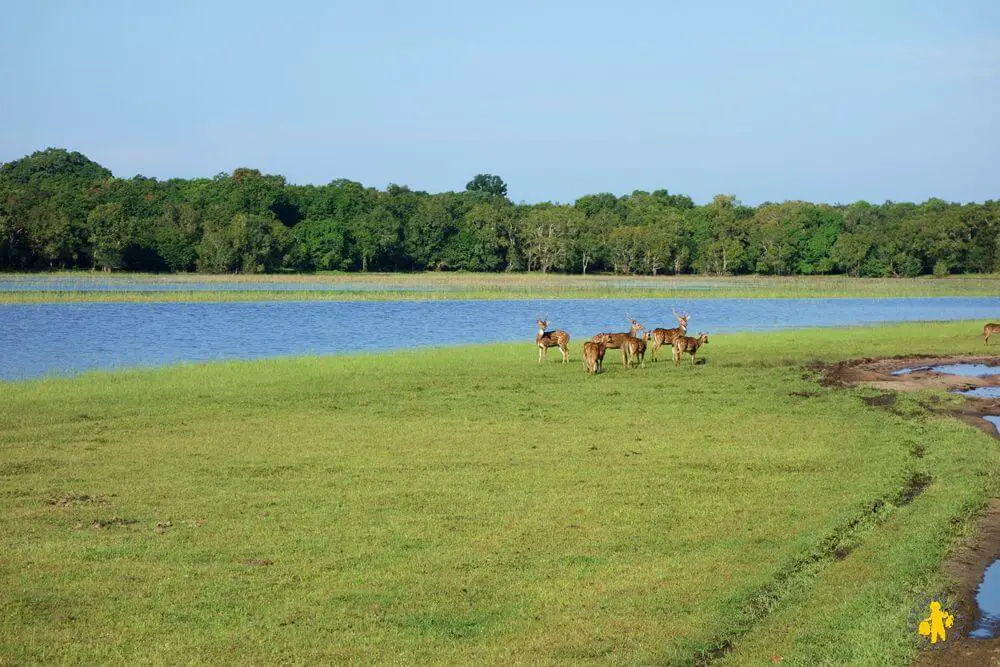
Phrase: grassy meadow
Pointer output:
(439, 285)
(467, 505)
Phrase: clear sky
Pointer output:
(829, 101)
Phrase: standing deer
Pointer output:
(616, 340)
(666, 336)
(635, 346)
(684, 344)
(593, 353)
(989, 330)
(546, 339)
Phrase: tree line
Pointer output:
(59, 209)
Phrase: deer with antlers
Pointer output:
(617, 340)
(688, 344)
(593, 353)
(989, 330)
(546, 339)
(662, 337)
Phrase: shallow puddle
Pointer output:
(969, 370)
(988, 601)
(995, 420)
(981, 392)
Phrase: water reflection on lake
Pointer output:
(37, 339)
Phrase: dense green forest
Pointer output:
(61, 210)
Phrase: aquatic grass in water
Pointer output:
(88, 286)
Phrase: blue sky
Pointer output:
(822, 101)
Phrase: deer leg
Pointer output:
(541, 353)
(565, 353)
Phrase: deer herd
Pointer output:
(633, 346)
(631, 343)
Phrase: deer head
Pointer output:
(635, 325)
(681, 319)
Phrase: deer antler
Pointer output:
(628, 318)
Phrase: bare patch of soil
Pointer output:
(885, 400)
(113, 522)
(73, 499)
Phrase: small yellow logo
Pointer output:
(935, 624)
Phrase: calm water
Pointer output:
(982, 392)
(995, 420)
(39, 339)
(969, 370)
(988, 601)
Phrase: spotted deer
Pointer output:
(593, 353)
(616, 340)
(546, 339)
(989, 330)
(635, 346)
(661, 337)
(688, 344)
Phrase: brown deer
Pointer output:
(635, 346)
(666, 336)
(690, 345)
(616, 340)
(546, 339)
(593, 353)
(989, 330)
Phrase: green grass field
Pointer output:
(467, 505)
(436, 286)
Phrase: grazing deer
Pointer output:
(635, 346)
(989, 330)
(684, 344)
(666, 336)
(593, 353)
(616, 340)
(546, 339)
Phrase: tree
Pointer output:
(247, 244)
(488, 184)
(850, 252)
(729, 226)
(320, 244)
(546, 231)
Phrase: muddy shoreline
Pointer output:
(968, 562)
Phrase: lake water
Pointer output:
(40, 339)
